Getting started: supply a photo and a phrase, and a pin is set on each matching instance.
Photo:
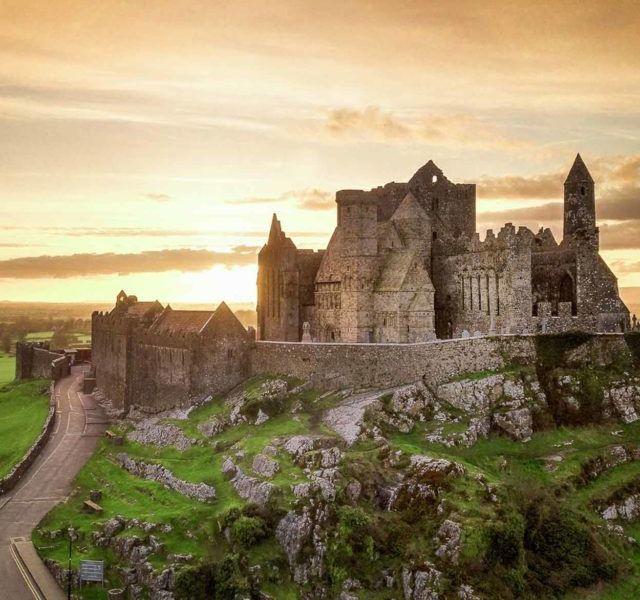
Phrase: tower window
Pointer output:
(434, 235)
(582, 190)
(434, 179)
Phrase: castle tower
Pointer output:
(278, 306)
(579, 200)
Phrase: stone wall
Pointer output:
(36, 361)
(332, 366)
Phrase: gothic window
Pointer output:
(434, 179)
(582, 191)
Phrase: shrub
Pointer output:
(247, 531)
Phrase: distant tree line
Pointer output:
(20, 328)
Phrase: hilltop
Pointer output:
(515, 483)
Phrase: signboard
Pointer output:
(91, 570)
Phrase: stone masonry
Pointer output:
(405, 264)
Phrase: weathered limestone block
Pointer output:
(449, 538)
(625, 400)
(423, 583)
(265, 466)
(628, 509)
(153, 472)
(517, 424)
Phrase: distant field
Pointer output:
(23, 411)
(7, 368)
(45, 336)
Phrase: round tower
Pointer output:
(579, 200)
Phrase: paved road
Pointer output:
(79, 423)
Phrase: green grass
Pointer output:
(7, 368)
(23, 411)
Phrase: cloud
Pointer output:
(156, 261)
(374, 124)
(117, 232)
(514, 187)
(551, 211)
(308, 199)
(620, 236)
(157, 197)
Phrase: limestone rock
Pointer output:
(149, 432)
(449, 536)
(517, 424)
(422, 583)
(198, 491)
(265, 466)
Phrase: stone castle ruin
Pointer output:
(405, 264)
(404, 282)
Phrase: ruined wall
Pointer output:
(36, 361)
(483, 286)
(333, 366)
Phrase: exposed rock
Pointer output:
(516, 423)
(628, 509)
(423, 583)
(347, 419)
(265, 466)
(213, 426)
(262, 417)
(248, 488)
(449, 537)
(305, 530)
(198, 491)
(149, 432)
(466, 592)
(470, 395)
(625, 400)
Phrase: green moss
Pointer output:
(552, 349)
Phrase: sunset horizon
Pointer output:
(146, 150)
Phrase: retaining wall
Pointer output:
(332, 366)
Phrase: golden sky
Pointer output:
(145, 144)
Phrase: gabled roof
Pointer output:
(181, 321)
(409, 209)
(224, 323)
(403, 271)
(579, 172)
(141, 309)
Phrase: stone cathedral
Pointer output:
(405, 264)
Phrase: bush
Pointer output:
(505, 542)
(247, 531)
(223, 580)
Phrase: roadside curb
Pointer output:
(34, 572)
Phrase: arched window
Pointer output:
(583, 191)
(434, 179)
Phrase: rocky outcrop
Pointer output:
(303, 539)
(627, 509)
(449, 538)
(198, 491)
(249, 488)
(624, 400)
(265, 466)
(421, 583)
(151, 433)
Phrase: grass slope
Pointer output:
(23, 410)
(366, 539)
(7, 368)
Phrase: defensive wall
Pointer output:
(332, 366)
(34, 360)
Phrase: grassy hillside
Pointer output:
(530, 526)
(23, 410)
(7, 368)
